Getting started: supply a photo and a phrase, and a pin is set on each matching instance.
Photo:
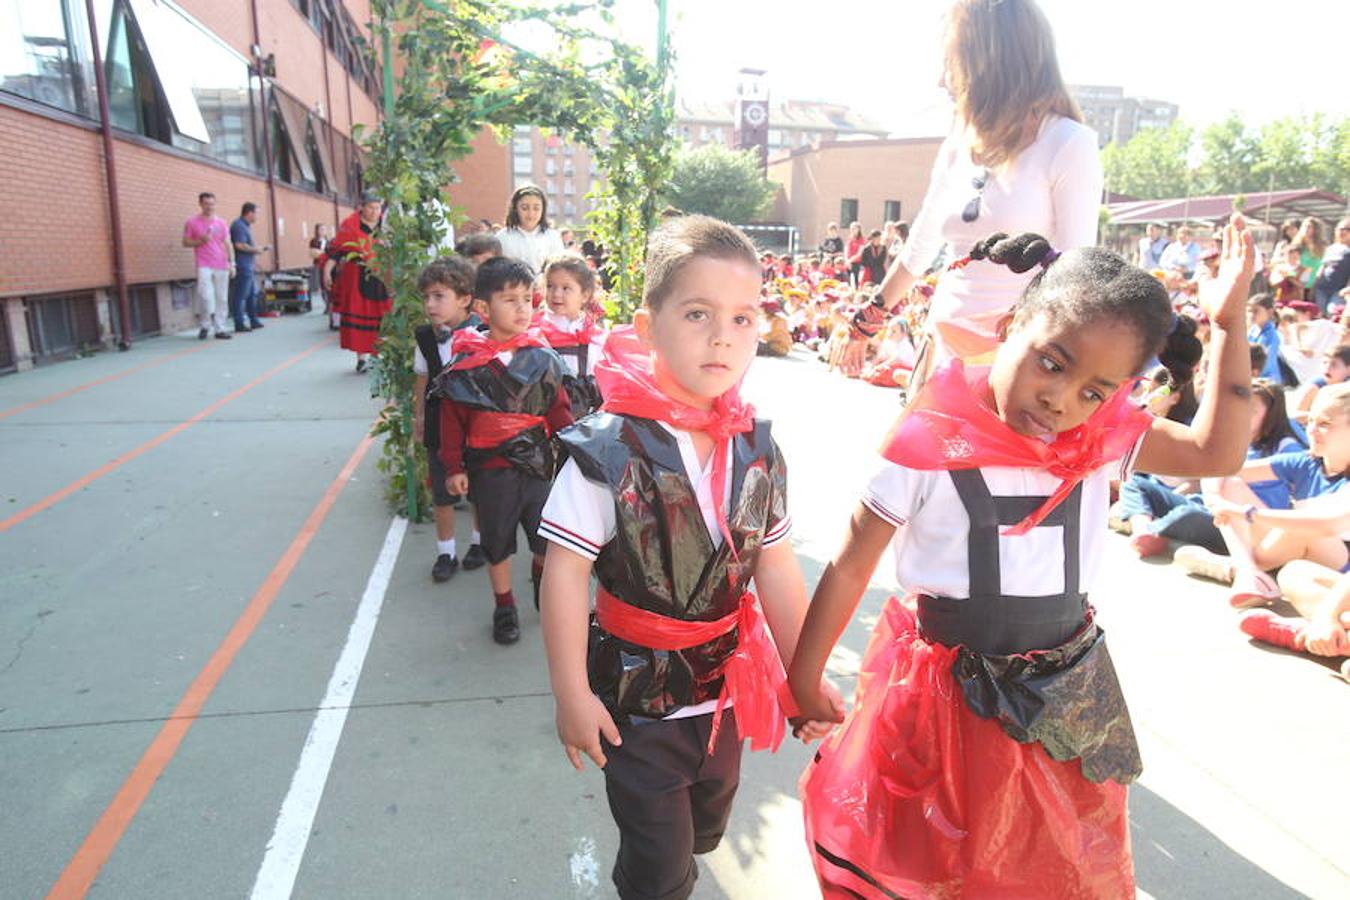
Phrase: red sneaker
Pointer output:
(1269, 628)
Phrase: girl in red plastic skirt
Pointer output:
(989, 748)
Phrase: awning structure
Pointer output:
(1271, 206)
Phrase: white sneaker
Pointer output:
(1204, 563)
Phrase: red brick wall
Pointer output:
(54, 236)
(484, 185)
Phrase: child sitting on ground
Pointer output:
(1261, 539)
(502, 402)
(447, 295)
(675, 498)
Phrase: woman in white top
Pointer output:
(1018, 159)
(527, 235)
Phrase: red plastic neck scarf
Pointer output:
(950, 427)
(477, 349)
(557, 337)
(629, 387)
(753, 678)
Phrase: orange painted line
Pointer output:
(27, 513)
(79, 874)
(4, 414)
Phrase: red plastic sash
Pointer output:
(950, 427)
(556, 337)
(753, 679)
(490, 429)
(476, 349)
(624, 377)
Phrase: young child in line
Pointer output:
(502, 403)
(447, 296)
(676, 497)
(479, 247)
(990, 747)
(570, 326)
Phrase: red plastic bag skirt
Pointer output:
(916, 796)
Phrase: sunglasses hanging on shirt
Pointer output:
(972, 210)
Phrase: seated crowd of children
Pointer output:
(1279, 529)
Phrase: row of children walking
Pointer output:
(988, 749)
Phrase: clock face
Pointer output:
(755, 114)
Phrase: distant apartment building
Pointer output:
(1115, 117)
(252, 101)
(792, 123)
(567, 171)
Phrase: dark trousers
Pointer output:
(244, 298)
(671, 799)
(508, 500)
(1181, 517)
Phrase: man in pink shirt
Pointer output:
(208, 236)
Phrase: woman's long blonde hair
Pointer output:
(1002, 70)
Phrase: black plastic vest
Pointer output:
(662, 558)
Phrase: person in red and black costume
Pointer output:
(675, 497)
(502, 401)
(358, 294)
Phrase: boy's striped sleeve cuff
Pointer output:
(779, 531)
(552, 531)
(876, 506)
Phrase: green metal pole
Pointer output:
(409, 454)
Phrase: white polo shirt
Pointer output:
(572, 326)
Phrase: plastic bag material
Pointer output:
(1067, 699)
(753, 679)
(531, 451)
(472, 348)
(918, 796)
(557, 337)
(663, 559)
(950, 427)
(628, 384)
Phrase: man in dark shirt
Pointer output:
(244, 291)
(1334, 274)
(833, 243)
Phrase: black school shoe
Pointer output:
(505, 625)
(475, 558)
(446, 565)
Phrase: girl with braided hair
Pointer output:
(989, 748)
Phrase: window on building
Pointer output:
(171, 80)
(292, 145)
(550, 187)
(848, 211)
(891, 211)
(522, 181)
(568, 187)
(38, 58)
(775, 137)
(61, 325)
(569, 209)
(522, 164)
(550, 167)
(568, 168)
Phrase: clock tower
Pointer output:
(752, 114)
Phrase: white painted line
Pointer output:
(286, 849)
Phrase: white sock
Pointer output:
(446, 548)
(477, 538)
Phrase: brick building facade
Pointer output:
(868, 181)
(192, 85)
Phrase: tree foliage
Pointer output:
(718, 181)
(1227, 157)
(459, 75)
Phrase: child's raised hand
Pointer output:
(581, 724)
(1224, 298)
